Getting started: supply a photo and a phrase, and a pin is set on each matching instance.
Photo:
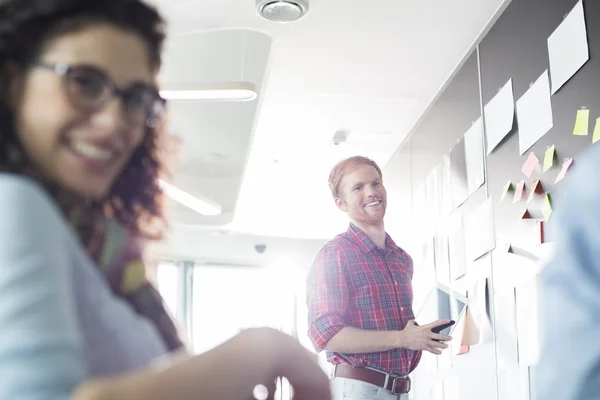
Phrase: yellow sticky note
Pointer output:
(549, 158)
(596, 135)
(547, 207)
(582, 123)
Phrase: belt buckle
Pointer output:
(395, 384)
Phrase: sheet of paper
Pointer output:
(568, 47)
(505, 326)
(445, 361)
(428, 363)
(456, 345)
(458, 174)
(547, 207)
(456, 246)
(424, 277)
(432, 193)
(549, 158)
(442, 261)
(531, 164)
(527, 322)
(508, 188)
(519, 192)
(445, 186)
(525, 214)
(566, 165)
(474, 156)
(596, 134)
(582, 123)
(520, 266)
(479, 230)
(508, 384)
(524, 383)
(437, 391)
(452, 388)
(478, 328)
(420, 212)
(534, 113)
(499, 116)
(514, 384)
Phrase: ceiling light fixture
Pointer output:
(229, 91)
(282, 11)
(200, 205)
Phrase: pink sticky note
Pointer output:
(530, 165)
(519, 192)
(566, 165)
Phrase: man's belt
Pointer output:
(395, 384)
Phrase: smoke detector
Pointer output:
(282, 11)
(340, 136)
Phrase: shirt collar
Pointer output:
(365, 243)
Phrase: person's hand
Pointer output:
(285, 357)
(229, 371)
(422, 338)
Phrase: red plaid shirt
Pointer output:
(354, 283)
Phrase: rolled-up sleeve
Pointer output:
(327, 295)
(570, 294)
(41, 353)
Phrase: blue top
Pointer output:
(59, 321)
(569, 366)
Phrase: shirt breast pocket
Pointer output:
(375, 298)
(364, 297)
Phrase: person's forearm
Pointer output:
(351, 340)
(215, 375)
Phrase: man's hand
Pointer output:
(417, 337)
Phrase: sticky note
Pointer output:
(519, 192)
(547, 207)
(566, 165)
(530, 165)
(536, 188)
(508, 187)
(596, 135)
(526, 215)
(549, 158)
(582, 123)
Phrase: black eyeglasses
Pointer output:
(90, 89)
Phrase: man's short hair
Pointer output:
(337, 173)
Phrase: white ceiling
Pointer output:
(371, 67)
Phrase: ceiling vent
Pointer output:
(282, 11)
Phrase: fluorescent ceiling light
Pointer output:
(201, 206)
(228, 91)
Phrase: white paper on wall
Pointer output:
(568, 48)
(499, 116)
(534, 113)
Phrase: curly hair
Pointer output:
(135, 199)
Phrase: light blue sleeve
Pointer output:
(41, 353)
(569, 366)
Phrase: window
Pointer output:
(167, 281)
(227, 300)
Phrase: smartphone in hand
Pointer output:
(440, 328)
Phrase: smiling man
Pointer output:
(359, 295)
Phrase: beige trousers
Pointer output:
(351, 389)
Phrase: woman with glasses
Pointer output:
(80, 118)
